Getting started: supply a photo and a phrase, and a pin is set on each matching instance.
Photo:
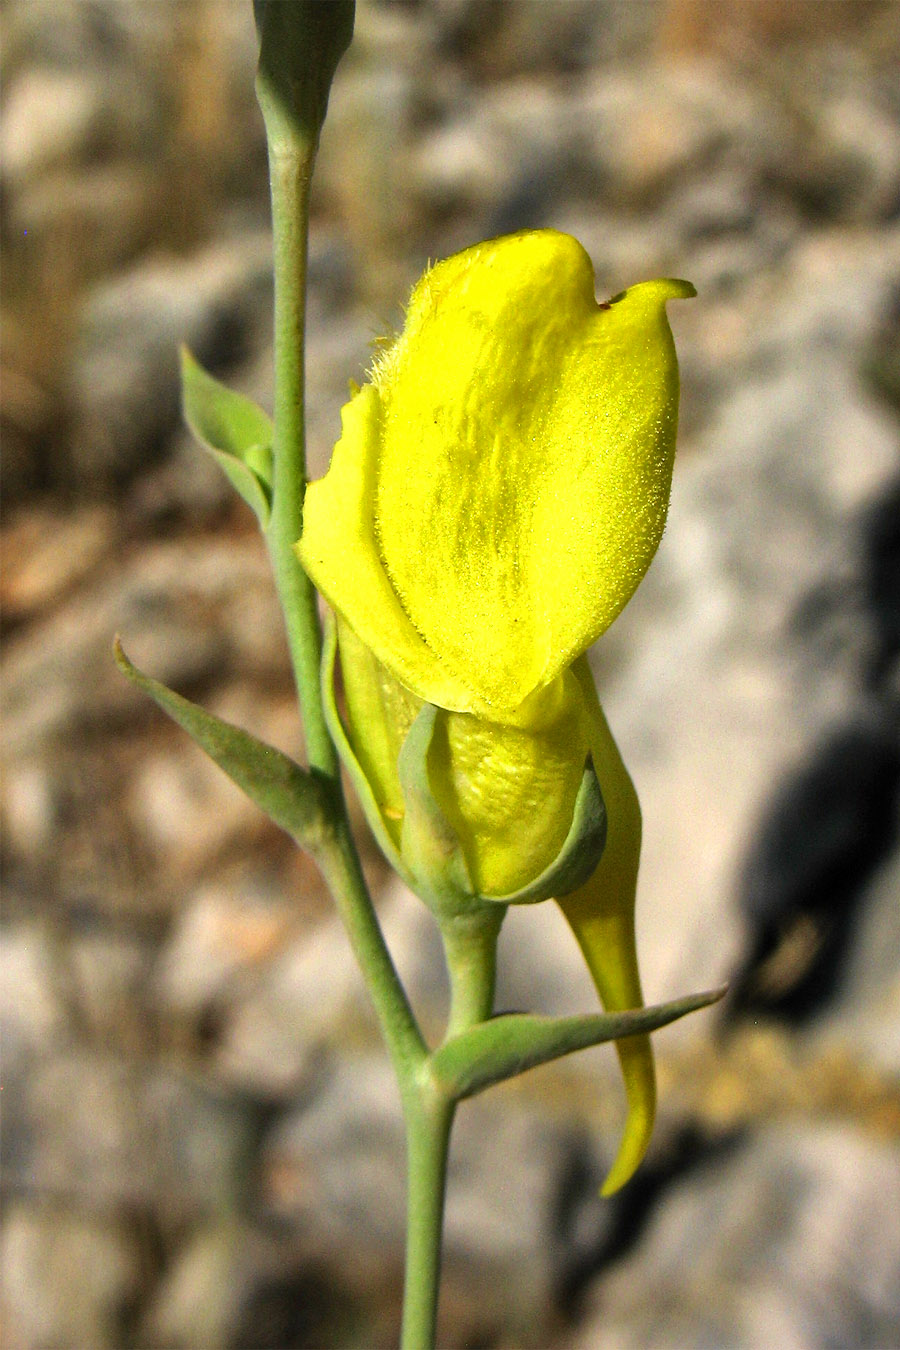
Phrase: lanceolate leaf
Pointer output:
(294, 799)
(235, 431)
(513, 1042)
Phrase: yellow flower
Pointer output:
(498, 492)
(501, 485)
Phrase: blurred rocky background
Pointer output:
(201, 1140)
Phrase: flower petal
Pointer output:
(379, 713)
(525, 458)
(500, 488)
(339, 552)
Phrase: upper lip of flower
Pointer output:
(501, 485)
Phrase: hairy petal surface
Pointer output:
(339, 551)
(512, 459)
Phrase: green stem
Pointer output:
(428, 1110)
(342, 871)
(428, 1115)
(470, 948)
(300, 47)
(290, 168)
(429, 1118)
(470, 945)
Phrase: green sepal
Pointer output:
(235, 431)
(431, 847)
(581, 851)
(295, 800)
(348, 758)
(511, 1043)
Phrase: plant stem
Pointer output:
(291, 133)
(300, 46)
(290, 170)
(429, 1118)
(470, 947)
(428, 1109)
(342, 871)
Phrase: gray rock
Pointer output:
(232, 1284)
(99, 216)
(153, 602)
(643, 131)
(78, 1131)
(275, 1031)
(50, 117)
(125, 384)
(310, 1000)
(198, 1297)
(186, 809)
(792, 1241)
(864, 136)
(28, 807)
(503, 43)
(838, 158)
(334, 1168)
(107, 978)
(492, 148)
(32, 1011)
(103, 1132)
(51, 552)
(197, 1144)
(218, 936)
(865, 1017)
(69, 1278)
(364, 146)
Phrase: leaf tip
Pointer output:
(119, 656)
(187, 361)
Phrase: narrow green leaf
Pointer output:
(510, 1044)
(295, 800)
(235, 431)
